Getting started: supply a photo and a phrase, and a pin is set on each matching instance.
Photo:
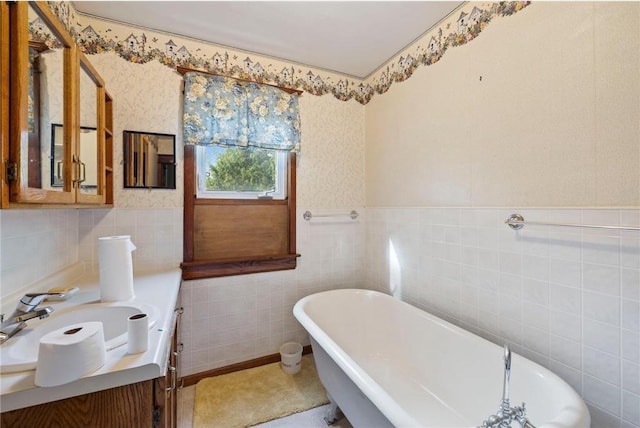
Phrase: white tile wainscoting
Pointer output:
(226, 320)
(238, 318)
(35, 244)
(156, 233)
(567, 298)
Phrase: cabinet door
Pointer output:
(120, 407)
(166, 388)
(42, 56)
(90, 159)
(4, 101)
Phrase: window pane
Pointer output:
(236, 172)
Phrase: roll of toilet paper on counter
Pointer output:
(137, 333)
(116, 268)
(69, 353)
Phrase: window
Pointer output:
(237, 236)
(240, 173)
(239, 176)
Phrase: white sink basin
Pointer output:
(20, 353)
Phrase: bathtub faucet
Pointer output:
(507, 414)
(504, 418)
(507, 374)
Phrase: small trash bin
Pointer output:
(291, 357)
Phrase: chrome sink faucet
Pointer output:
(26, 309)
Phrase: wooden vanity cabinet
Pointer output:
(124, 406)
(149, 404)
(54, 150)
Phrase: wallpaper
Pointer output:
(147, 98)
(459, 28)
(471, 132)
(142, 46)
(331, 164)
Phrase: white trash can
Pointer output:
(291, 357)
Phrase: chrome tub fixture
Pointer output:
(507, 414)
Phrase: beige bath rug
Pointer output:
(253, 396)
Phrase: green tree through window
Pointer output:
(243, 170)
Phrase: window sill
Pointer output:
(237, 266)
(215, 201)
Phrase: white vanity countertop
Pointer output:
(158, 289)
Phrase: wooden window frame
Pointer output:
(201, 267)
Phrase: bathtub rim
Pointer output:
(573, 413)
(374, 392)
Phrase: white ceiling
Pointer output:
(349, 37)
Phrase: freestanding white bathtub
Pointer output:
(387, 363)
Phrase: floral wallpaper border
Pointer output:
(95, 36)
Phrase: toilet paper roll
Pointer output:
(69, 353)
(116, 268)
(138, 333)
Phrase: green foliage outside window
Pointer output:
(243, 170)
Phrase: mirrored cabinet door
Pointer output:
(41, 55)
(54, 150)
(90, 142)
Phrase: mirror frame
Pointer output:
(172, 162)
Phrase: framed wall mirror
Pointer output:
(149, 160)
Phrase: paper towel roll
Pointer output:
(116, 268)
(70, 353)
(137, 333)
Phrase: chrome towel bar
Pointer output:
(308, 216)
(517, 222)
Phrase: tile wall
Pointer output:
(156, 233)
(567, 298)
(35, 244)
(226, 320)
(238, 318)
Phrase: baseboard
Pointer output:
(192, 379)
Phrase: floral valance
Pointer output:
(228, 112)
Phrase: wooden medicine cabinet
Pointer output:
(54, 96)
